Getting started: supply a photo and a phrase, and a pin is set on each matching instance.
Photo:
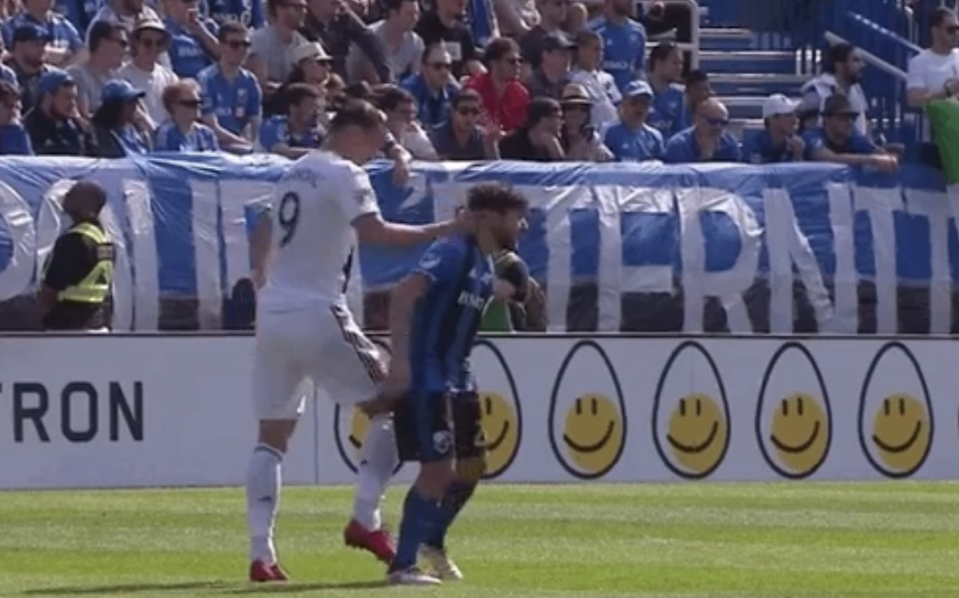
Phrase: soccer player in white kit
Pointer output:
(322, 206)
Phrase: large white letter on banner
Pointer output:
(206, 244)
(138, 200)
(930, 205)
(727, 286)
(880, 205)
(16, 277)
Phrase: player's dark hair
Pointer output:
(494, 197)
(357, 113)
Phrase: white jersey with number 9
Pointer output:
(314, 206)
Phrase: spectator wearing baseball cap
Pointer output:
(107, 48)
(27, 46)
(581, 140)
(53, 125)
(538, 139)
(839, 142)
(504, 98)
(707, 140)
(14, 139)
(778, 141)
(632, 139)
(551, 76)
(149, 41)
(64, 39)
(119, 130)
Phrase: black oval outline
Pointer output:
(792, 475)
(862, 411)
(516, 405)
(657, 403)
(561, 373)
(344, 456)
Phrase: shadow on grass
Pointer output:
(202, 587)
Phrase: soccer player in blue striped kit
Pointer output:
(435, 314)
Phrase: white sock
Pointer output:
(263, 481)
(378, 460)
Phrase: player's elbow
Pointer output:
(372, 230)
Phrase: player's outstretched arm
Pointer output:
(372, 229)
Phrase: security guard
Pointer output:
(75, 290)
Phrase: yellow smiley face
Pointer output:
(901, 433)
(800, 434)
(502, 430)
(698, 434)
(593, 434)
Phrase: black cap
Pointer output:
(30, 33)
(556, 41)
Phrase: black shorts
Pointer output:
(433, 427)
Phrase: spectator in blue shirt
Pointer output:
(193, 42)
(78, 12)
(839, 142)
(432, 87)
(118, 123)
(778, 141)
(668, 115)
(624, 41)
(26, 52)
(232, 99)
(14, 140)
(63, 38)
(7, 74)
(461, 138)
(707, 140)
(631, 139)
(697, 89)
(297, 132)
(183, 131)
(248, 13)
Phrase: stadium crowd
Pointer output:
(543, 80)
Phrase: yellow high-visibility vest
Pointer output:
(95, 286)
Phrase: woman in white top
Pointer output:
(599, 85)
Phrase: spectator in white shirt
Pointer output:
(843, 71)
(599, 85)
(933, 74)
(144, 72)
(108, 45)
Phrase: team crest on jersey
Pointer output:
(442, 442)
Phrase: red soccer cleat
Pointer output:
(378, 542)
(260, 572)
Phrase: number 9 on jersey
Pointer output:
(288, 215)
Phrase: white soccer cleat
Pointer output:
(412, 577)
(441, 563)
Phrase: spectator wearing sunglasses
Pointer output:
(632, 139)
(933, 74)
(461, 138)
(183, 131)
(838, 141)
(297, 132)
(144, 72)
(193, 42)
(107, 47)
(231, 94)
(581, 141)
(707, 140)
(432, 87)
(14, 139)
(504, 98)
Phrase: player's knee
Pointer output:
(472, 469)
(435, 477)
(276, 433)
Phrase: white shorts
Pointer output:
(324, 348)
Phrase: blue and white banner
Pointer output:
(704, 248)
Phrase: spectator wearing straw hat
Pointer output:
(580, 139)
(150, 39)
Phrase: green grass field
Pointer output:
(682, 540)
